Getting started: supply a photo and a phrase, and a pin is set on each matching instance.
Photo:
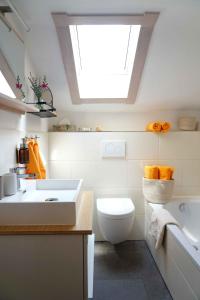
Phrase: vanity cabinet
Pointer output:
(49, 264)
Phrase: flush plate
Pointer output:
(113, 149)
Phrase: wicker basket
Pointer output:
(158, 191)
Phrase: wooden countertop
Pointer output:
(83, 225)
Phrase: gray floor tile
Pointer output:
(156, 288)
(119, 290)
(131, 265)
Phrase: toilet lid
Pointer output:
(115, 208)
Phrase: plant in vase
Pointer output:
(38, 85)
(19, 86)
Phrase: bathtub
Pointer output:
(179, 257)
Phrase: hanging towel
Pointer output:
(33, 166)
(154, 127)
(160, 218)
(151, 172)
(166, 172)
(39, 160)
(165, 127)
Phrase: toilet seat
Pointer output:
(115, 208)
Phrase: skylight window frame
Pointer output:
(63, 21)
(9, 76)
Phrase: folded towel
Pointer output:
(151, 172)
(165, 172)
(154, 127)
(165, 126)
(160, 218)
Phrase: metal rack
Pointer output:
(46, 109)
(44, 112)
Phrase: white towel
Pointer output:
(159, 219)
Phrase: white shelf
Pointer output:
(15, 105)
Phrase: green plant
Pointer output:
(38, 85)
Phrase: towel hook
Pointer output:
(36, 137)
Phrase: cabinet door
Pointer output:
(42, 267)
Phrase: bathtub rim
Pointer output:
(185, 244)
(178, 233)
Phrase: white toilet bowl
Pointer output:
(115, 218)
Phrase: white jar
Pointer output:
(187, 123)
(10, 184)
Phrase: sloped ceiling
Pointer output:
(171, 77)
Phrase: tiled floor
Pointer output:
(127, 271)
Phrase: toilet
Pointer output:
(115, 218)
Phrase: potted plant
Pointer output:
(38, 85)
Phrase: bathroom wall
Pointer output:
(13, 127)
(77, 155)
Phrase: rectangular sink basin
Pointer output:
(43, 202)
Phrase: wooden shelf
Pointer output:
(125, 131)
(15, 105)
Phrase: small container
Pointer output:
(85, 129)
(187, 123)
(158, 191)
(21, 169)
(17, 155)
(23, 156)
(10, 184)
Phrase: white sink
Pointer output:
(43, 202)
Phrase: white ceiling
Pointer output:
(171, 78)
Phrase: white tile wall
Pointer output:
(141, 145)
(134, 173)
(8, 143)
(190, 173)
(111, 174)
(59, 169)
(74, 147)
(84, 170)
(179, 145)
(77, 155)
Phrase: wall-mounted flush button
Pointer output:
(113, 149)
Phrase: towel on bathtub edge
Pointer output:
(160, 218)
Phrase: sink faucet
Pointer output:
(182, 207)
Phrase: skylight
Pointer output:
(104, 56)
(5, 88)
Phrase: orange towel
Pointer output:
(39, 160)
(165, 126)
(33, 166)
(151, 172)
(154, 127)
(166, 172)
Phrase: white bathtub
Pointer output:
(179, 257)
